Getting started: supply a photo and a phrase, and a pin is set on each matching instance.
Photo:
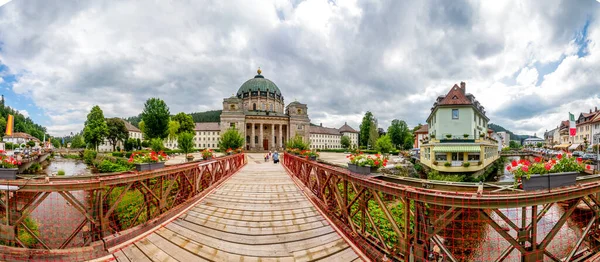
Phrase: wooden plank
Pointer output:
(134, 254)
(259, 239)
(174, 250)
(153, 252)
(260, 231)
(345, 255)
(120, 256)
(321, 251)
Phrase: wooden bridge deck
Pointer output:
(259, 214)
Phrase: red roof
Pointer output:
(456, 96)
(423, 130)
(22, 135)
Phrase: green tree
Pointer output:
(117, 131)
(373, 134)
(384, 144)
(398, 132)
(345, 141)
(95, 129)
(142, 127)
(2, 125)
(231, 139)
(156, 144)
(513, 144)
(31, 143)
(186, 123)
(539, 144)
(297, 142)
(173, 129)
(365, 128)
(55, 143)
(77, 142)
(185, 142)
(130, 144)
(409, 141)
(156, 119)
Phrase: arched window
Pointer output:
(254, 106)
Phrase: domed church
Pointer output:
(258, 111)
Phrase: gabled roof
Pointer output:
(347, 129)
(423, 130)
(456, 96)
(324, 130)
(207, 126)
(131, 128)
(22, 135)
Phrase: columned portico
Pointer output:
(280, 136)
(253, 137)
(272, 136)
(260, 138)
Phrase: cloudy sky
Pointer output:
(528, 62)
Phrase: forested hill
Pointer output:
(513, 136)
(22, 123)
(208, 116)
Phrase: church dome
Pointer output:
(258, 84)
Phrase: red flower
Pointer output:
(588, 167)
(514, 163)
(538, 159)
(307, 157)
(553, 161)
(579, 160)
(376, 162)
(508, 168)
(548, 167)
(525, 168)
(559, 156)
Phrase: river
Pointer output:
(57, 218)
(494, 244)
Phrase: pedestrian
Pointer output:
(275, 158)
(266, 157)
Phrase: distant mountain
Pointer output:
(208, 116)
(513, 136)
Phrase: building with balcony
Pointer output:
(458, 134)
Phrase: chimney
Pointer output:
(595, 109)
(321, 124)
(463, 86)
(590, 110)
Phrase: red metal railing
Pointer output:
(391, 221)
(79, 218)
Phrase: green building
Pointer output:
(458, 138)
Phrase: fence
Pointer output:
(391, 221)
(79, 218)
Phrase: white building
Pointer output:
(133, 132)
(206, 135)
(20, 138)
(533, 141)
(504, 138)
(330, 138)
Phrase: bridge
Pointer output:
(239, 208)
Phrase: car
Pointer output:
(578, 153)
(593, 157)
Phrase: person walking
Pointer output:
(275, 158)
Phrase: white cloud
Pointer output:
(342, 59)
(24, 113)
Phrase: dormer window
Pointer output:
(454, 97)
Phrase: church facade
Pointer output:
(259, 113)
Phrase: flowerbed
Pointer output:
(533, 175)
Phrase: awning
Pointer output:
(573, 146)
(455, 149)
(562, 146)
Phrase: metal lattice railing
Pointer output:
(391, 221)
(79, 218)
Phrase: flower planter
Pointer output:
(189, 158)
(549, 181)
(8, 173)
(365, 170)
(149, 166)
(352, 167)
(313, 158)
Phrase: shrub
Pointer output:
(465, 135)
(106, 166)
(435, 175)
(466, 164)
(384, 144)
(60, 172)
(117, 154)
(34, 168)
(418, 167)
(447, 164)
(448, 136)
(89, 156)
(145, 143)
